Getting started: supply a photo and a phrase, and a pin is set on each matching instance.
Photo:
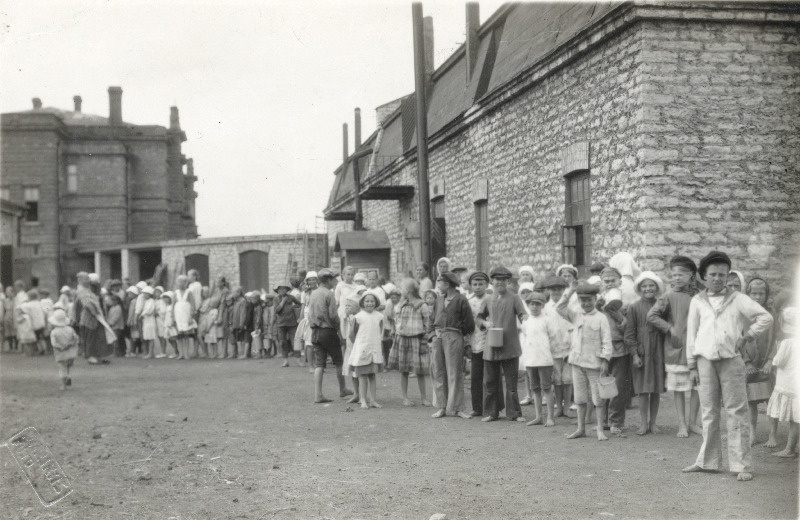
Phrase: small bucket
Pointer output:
(760, 391)
(494, 338)
(607, 387)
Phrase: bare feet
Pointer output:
(654, 429)
(439, 414)
(364, 406)
(771, 442)
(322, 400)
(518, 419)
(353, 400)
(644, 430)
(345, 392)
(694, 468)
(408, 402)
(602, 436)
(526, 401)
(536, 421)
(375, 404)
(616, 430)
(550, 422)
(682, 433)
(489, 418)
(786, 454)
(425, 402)
(464, 415)
(577, 434)
(744, 476)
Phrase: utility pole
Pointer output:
(420, 79)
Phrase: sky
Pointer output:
(262, 87)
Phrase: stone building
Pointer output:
(252, 262)
(10, 226)
(88, 181)
(569, 132)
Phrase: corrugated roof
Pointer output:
(350, 240)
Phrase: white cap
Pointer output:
(65, 289)
(312, 274)
(94, 277)
(140, 285)
(527, 286)
(148, 290)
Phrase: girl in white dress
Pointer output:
(784, 405)
(366, 359)
(183, 310)
(149, 327)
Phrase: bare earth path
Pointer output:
(241, 439)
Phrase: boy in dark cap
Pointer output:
(669, 315)
(562, 371)
(714, 342)
(502, 310)
(589, 355)
(596, 268)
(453, 321)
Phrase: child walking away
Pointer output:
(646, 344)
(65, 345)
(669, 315)
(589, 355)
(149, 327)
(784, 404)
(367, 357)
(538, 334)
(562, 371)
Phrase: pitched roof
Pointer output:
(513, 39)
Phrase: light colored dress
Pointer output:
(367, 353)
(536, 334)
(183, 312)
(65, 344)
(149, 327)
(784, 404)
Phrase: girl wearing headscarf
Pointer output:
(735, 281)
(443, 265)
(646, 344)
(758, 355)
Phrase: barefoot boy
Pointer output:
(589, 355)
(537, 335)
(562, 371)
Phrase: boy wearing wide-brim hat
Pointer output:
(285, 319)
(453, 321)
(65, 345)
(502, 310)
(589, 354)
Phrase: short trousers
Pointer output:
(541, 378)
(584, 381)
(562, 372)
(679, 382)
(326, 343)
(287, 333)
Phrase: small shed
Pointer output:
(364, 250)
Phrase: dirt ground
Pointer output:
(242, 439)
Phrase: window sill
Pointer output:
(33, 223)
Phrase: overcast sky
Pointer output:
(263, 87)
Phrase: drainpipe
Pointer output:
(420, 78)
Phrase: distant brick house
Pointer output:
(569, 132)
(88, 182)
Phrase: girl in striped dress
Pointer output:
(409, 352)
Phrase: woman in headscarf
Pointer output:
(735, 281)
(646, 344)
(92, 333)
(570, 275)
(630, 270)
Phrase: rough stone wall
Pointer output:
(720, 143)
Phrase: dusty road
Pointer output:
(241, 439)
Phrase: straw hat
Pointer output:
(59, 318)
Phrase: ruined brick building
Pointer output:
(88, 181)
(569, 132)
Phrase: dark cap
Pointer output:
(553, 281)
(478, 275)
(611, 270)
(714, 257)
(325, 274)
(683, 261)
(536, 297)
(500, 272)
(597, 267)
(587, 289)
(450, 278)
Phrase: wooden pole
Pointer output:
(420, 78)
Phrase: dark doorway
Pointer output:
(254, 270)
(115, 259)
(438, 230)
(199, 262)
(6, 265)
(148, 261)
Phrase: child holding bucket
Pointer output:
(589, 354)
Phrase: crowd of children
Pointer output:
(577, 342)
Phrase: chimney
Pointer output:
(427, 29)
(77, 100)
(345, 153)
(473, 24)
(357, 130)
(115, 105)
(174, 119)
(37, 103)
